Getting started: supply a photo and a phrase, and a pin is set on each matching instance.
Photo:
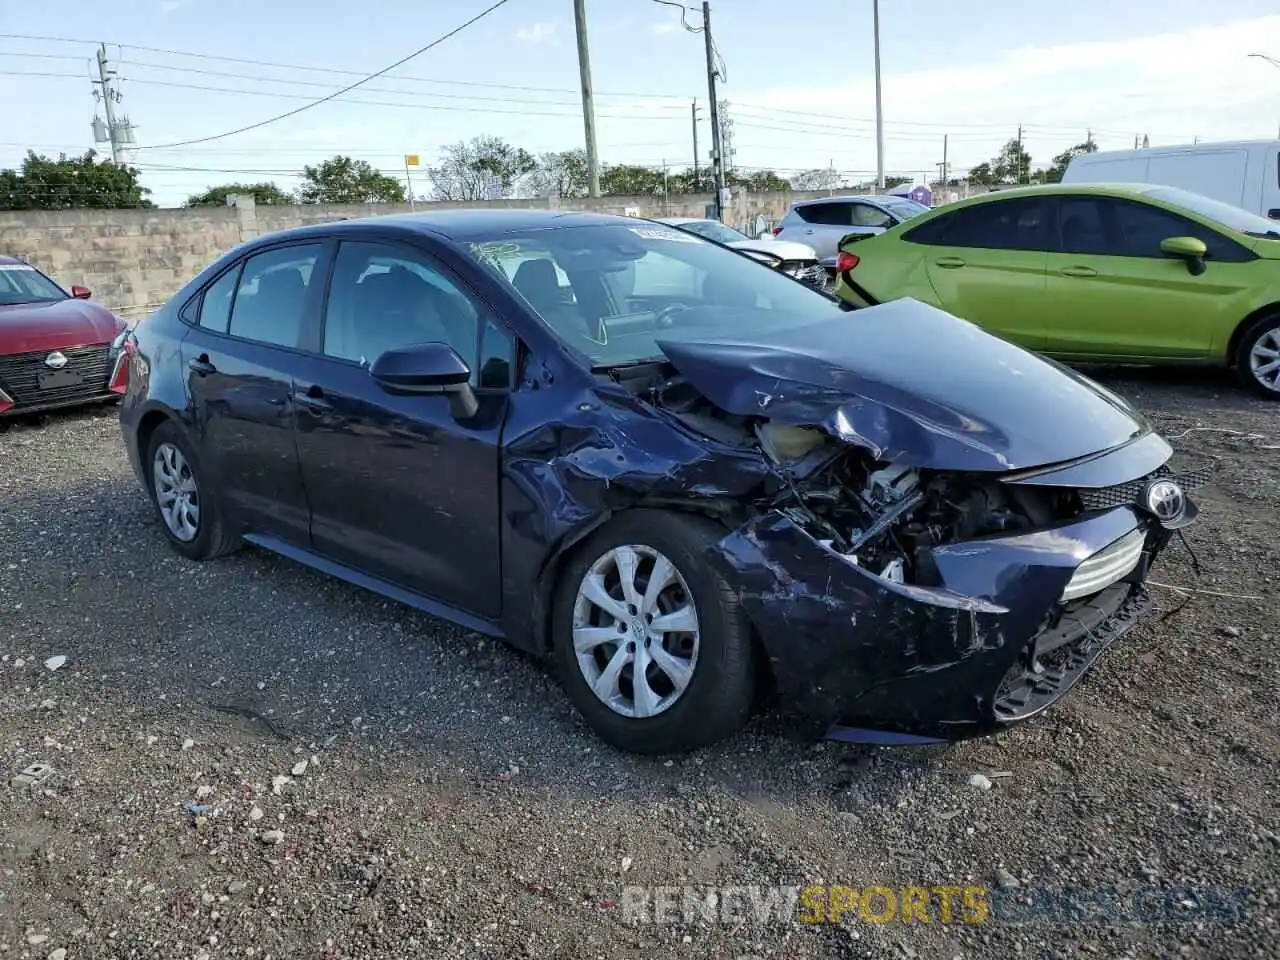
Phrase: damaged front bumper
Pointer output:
(1006, 634)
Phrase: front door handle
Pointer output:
(201, 366)
(1078, 272)
(314, 399)
(950, 263)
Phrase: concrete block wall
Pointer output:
(134, 260)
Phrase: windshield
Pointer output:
(1224, 213)
(713, 230)
(20, 283)
(906, 209)
(611, 291)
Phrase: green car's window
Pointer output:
(1103, 226)
(1014, 224)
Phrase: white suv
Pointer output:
(822, 223)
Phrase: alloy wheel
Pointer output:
(635, 631)
(1264, 359)
(177, 494)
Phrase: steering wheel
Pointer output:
(666, 316)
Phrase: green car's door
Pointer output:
(1112, 294)
(986, 263)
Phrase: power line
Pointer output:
(325, 99)
(336, 70)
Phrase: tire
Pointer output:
(208, 536)
(717, 699)
(1262, 335)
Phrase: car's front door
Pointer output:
(240, 359)
(1113, 294)
(399, 488)
(986, 263)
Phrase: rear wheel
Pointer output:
(651, 643)
(189, 513)
(1258, 356)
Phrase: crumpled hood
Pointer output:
(28, 327)
(914, 385)
(783, 249)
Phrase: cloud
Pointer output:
(1058, 92)
(538, 32)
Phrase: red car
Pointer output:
(56, 349)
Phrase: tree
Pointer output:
(630, 180)
(1012, 164)
(267, 194)
(44, 184)
(1059, 167)
(759, 181)
(468, 170)
(982, 174)
(819, 178)
(343, 180)
(562, 174)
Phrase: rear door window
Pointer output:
(826, 214)
(1014, 224)
(272, 295)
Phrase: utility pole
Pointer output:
(875, 18)
(697, 180)
(1018, 179)
(588, 100)
(717, 159)
(945, 179)
(118, 133)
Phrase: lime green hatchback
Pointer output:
(1123, 273)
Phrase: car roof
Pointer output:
(460, 225)
(1131, 190)
(676, 221)
(851, 197)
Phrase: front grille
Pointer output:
(20, 376)
(1130, 493)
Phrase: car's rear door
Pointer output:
(824, 224)
(1113, 294)
(986, 263)
(399, 488)
(240, 358)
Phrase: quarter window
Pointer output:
(272, 295)
(215, 308)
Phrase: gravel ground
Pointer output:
(453, 805)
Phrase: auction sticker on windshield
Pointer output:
(658, 233)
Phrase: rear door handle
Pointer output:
(1078, 272)
(314, 399)
(201, 366)
(949, 263)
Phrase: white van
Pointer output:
(1244, 173)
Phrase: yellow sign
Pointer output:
(410, 159)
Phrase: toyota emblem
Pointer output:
(55, 361)
(1165, 500)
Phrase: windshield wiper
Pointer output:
(627, 364)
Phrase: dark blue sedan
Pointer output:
(686, 478)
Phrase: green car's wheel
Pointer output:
(1258, 356)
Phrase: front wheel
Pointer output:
(1258, 356)
(651, 643)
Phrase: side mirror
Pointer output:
(1190, 249)
(81, 293)
(428, 368)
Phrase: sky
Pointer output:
(799, 80)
